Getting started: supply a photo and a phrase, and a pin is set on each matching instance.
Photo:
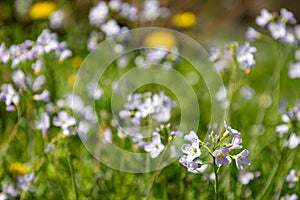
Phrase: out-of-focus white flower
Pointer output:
(98, 14)
(56, 19)
(294, 70)
(110, 28)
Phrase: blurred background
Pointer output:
(213, 17)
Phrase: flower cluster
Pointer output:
(292, 178)
(242, 54)
(140, 106)
(34, 50)
(221, 152)
(280, 26)
(291, 119)
(161, 137)
(23, 181)
(106, 15)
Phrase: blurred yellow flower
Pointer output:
(76, 62)
(42, 10)
(71, 80)
(160, 39)
(184, 20)
(17, 169)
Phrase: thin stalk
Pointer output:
(216, 183)
(72, 177)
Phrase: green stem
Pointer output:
(216, 183)
(72, 177)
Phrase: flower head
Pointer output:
(192, 150)
(221, 157)
(64, 121)
(42, 10)
(44, 123)
(154, 147)
(292, 178)
(264, 18)
(184, 20)
(241, 159)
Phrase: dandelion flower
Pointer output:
(184, 20)
(42, 10)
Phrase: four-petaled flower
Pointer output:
(64, 121)
(221, 157)
(192, 150)
(154, 147)
(241, 159)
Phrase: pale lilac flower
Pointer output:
(64, 121)
(151, 10)
(10, 96)
(287, 16)
(191, 136)
(56, 19)
(49, 148)
(110, 28)
(221, 156)
(245, 177)
(292, 142)
(93, 90)
(44, 96)
(4, 53)
(235, 143)
(292, 178)
(247, 92)
(193, 166)
(289, 38)
(19, 79)
(38, 83)
(231, 130)
(154, 147)
(47, 40)
(107, 136)
(264, 18)
(282, 129)
(93, 40)
(289, 197)
(10, 191)
(294, 70)
(115, 5)
(252, 34)
(241, 159)
(24, 182)
(44, 123)
(245, 56)
(156, 55)
(277, 30)
(192, 150)
(98, 14)
(37, 66)
(129, 12)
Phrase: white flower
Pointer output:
(93, 90)
(277, 30)
(44, 96)
(192, 150)
(98, 14)
(44, 123)
(292, 142)
(64, 121)
(294, 70)
(110, 28)
(287, 16)
(56, 19)
(154, 147)
(264, 18)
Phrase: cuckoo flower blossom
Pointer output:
(241, 159)
(154, 147)
(221, 157)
